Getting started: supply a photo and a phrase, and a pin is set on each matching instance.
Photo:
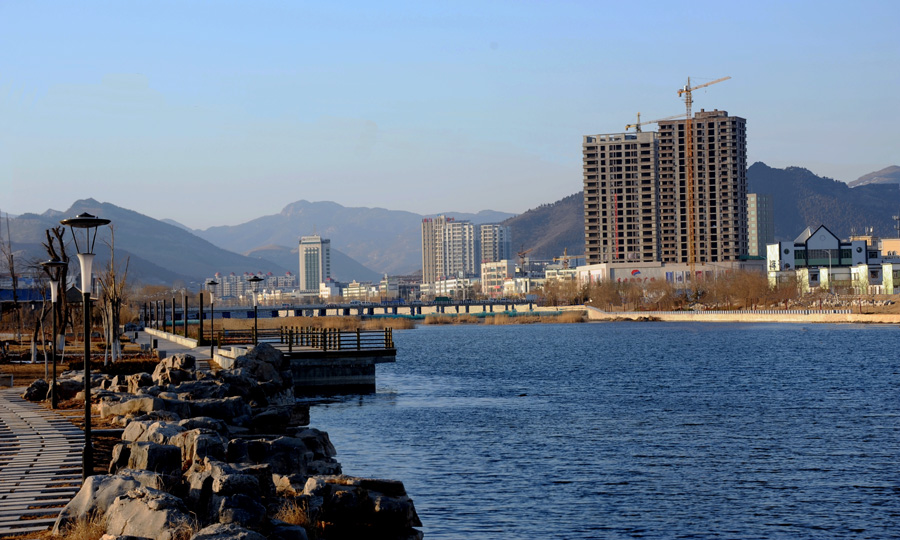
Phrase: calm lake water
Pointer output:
(622, 430)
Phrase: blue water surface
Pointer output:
(635, 430)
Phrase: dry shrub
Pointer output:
(381, 324)
(499, 319)
(293, 513)
(85, 528)
(185, 530)
(569, 317)
(439, 319)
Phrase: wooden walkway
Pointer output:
(40, 464)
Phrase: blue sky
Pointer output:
(218, 112)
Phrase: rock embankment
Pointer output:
(226, 454)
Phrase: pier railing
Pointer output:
(330, 339)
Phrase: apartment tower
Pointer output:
(315, 262)
(448, 249)
(636, 198)
(720, 188)
(621, 198)
(494, 242)
(760, 224)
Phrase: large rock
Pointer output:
(162, 458)
(133, 407)
(241, 509)
(98, 493)
(226, 531)
(231, 409)
(138, 381)
(148, 513)
(199, 444)
(345, 506)
(205, 422)
(174, 370)
(202, 389)
(36, 391)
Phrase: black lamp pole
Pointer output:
(54, 269)
(87, 223)
(211, 286)
(254, 283)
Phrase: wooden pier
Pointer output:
(325, 361)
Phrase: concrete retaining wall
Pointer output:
(181, 340)
(761, 316)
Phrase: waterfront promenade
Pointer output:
(40, 464)
(40, 455)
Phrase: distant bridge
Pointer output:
(157, 312)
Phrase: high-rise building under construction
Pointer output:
(636, 193)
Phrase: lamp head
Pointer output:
(87, 222)
(254, 282)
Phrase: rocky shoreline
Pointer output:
(224, 454)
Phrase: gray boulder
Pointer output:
(226, 531)
(36, 391)
(205, 422)
(148, 513)
(241, 509)
(199, 444)
(361, 507)
(162, 458)
(138, 381)
(174, 370)
(228, 409)
(97, 494)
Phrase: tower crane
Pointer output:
(689, 144)
(638, 124)
(565, 258)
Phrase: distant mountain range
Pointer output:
(801, 199)
(369, 242)
(166, 252)
(888, 175)
(386, 241)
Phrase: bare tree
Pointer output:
(56, 249)
(112, 298)
(8, 254)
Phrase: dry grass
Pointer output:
(91, 528)
(386, 322)
(25, 374)
(451, 319)
(294, 513)
(501, 319)
(185, 530)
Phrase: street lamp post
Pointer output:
(54, 270)
(87, 223)
(211, 287)
(254, 283)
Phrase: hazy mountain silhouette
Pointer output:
(888, 175)
(386, 241)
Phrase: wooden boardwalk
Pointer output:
(40, 464)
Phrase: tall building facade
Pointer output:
(449, 249)
(720, 188)
(315, 262)
(760, 224)
(636, 198)
(495, 242)
(620, 197)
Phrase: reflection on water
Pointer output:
(628, 429)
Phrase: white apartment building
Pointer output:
(315, 262)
